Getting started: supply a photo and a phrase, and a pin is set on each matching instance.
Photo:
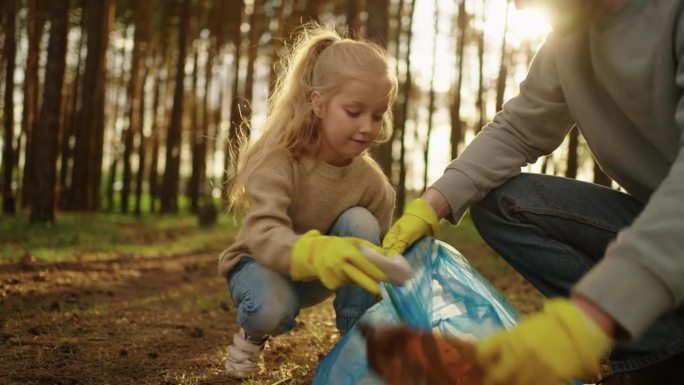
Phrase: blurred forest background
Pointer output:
(116, 111)
(128, 106)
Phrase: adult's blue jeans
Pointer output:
(268, 302)
(553, 230)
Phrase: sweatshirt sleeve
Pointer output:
(532, 124)
(642, 274)
(267, 227)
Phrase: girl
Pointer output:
(310, 174)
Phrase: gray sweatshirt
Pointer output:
(620, 78)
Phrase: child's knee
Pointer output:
(357, 222)
(272, 316)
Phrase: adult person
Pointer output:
(613, 261)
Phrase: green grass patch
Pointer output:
(97, 236)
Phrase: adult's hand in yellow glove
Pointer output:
(555, 345)
(419, 219)
(335, 261)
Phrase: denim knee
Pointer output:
(357, 222)
(272, 315)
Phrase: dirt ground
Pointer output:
(150, 321)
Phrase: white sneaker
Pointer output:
(244, 356)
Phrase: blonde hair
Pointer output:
(319, 60)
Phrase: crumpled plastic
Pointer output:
(445, 296)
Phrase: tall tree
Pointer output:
(141, 19)
(35, 21)
(377, 29)
(572, 163)
(255, 30)
(87, 169)
(503, 65)
(196, 139)
(405, 91)
(354, 22)
(10, 47)
(69, 127)
(169, 196)
(119, 98)
(601, 177)
(431, 98)
(158, 103)
(47, 129)
(455, 109)
(230, 151)
(480, 103)
(277, 43)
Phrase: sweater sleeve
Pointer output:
(532, 124)
(267, 227)
(642, 274)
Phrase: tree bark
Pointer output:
(455, 111)
(377, 30)
(431, 100)
(69, 128)
(47, 130)
(8, 201)
(573, 141)
(35, 24)
(87, 171)
(141, 19)
(231, 148)
(406, 91)
(169, 196)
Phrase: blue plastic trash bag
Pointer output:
(445, 295)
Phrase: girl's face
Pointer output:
(351, 120)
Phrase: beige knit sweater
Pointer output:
(289, 197)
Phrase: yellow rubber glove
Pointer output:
(335, 261)
(419, 219)
(553, 346)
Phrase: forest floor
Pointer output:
(164, 320)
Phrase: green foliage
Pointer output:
(97, 236)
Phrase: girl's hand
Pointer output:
(335, 261)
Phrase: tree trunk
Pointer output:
(406, 92)
(600, 177)
(142, 154)
(89, 136)
(455, 111)
(169, 196)
(119, 99)
(276, 47)
(69, 128)
(431, 102)
(480, 104)
(254, 36)
(156, 133)
(36, 23)
(232, 144)
(141, 19)
(47, 130)
(10, 46)
(196, 140)
(571, 169)
(312, 10)
(377, 29)
(354, 23)
(503, 65)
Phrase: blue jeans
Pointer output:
(269, 302)
(553, 230)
